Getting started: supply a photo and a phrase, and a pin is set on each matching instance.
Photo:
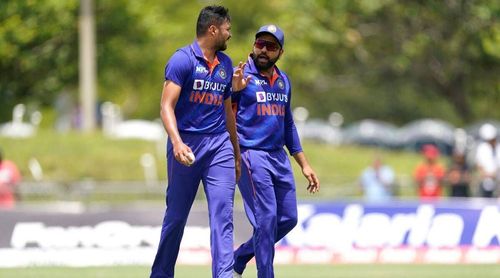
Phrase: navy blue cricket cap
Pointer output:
(274, 31)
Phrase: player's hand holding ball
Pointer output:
(183, 154)
(190, 158)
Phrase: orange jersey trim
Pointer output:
(211, 66)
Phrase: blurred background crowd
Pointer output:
(441, 160)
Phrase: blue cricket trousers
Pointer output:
(214, 166)
(268, 189)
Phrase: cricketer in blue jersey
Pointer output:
(196, 112)
(265, 125)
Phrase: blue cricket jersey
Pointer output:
(263, 115)
(200, 108)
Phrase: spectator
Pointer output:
(9, 178)
(429, 174)
(488, 161)
(377, 181)
(458, 176)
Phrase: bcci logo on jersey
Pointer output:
(261, 96)
(281, 84)
(222, 73)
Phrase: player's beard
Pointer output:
(264, 65)
(221, 44)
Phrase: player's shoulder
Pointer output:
(180, 59)
(285, 79)
(223, 56)
(183, 52)
(284, 75)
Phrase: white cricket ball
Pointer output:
(191, 158)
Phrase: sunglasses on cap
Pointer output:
(270, 46)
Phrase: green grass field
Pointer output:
(293, 271)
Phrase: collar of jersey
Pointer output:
(195, 47)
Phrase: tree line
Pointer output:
(382, 59)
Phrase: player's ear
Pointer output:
(281, 53)
(212, 30)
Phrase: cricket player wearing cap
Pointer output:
(202, 142)
(265, 125)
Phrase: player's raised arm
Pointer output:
(169, 97)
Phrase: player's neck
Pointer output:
(207, 49)
(268, 72)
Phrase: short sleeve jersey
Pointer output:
(263, 115)
(205, 86)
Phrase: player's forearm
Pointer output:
(301, 159)
(170, 124)
(231, 126)
(234, 141)
(169, 97)
(292, 140)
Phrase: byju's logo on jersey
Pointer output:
(222, 73)
(198, 84)
(201, 69)
(261, 96)
(205, 85)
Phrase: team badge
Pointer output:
(271, 28)
(222, 73)
(261, 96)
(281, 84)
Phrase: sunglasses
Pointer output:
(270, 46)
